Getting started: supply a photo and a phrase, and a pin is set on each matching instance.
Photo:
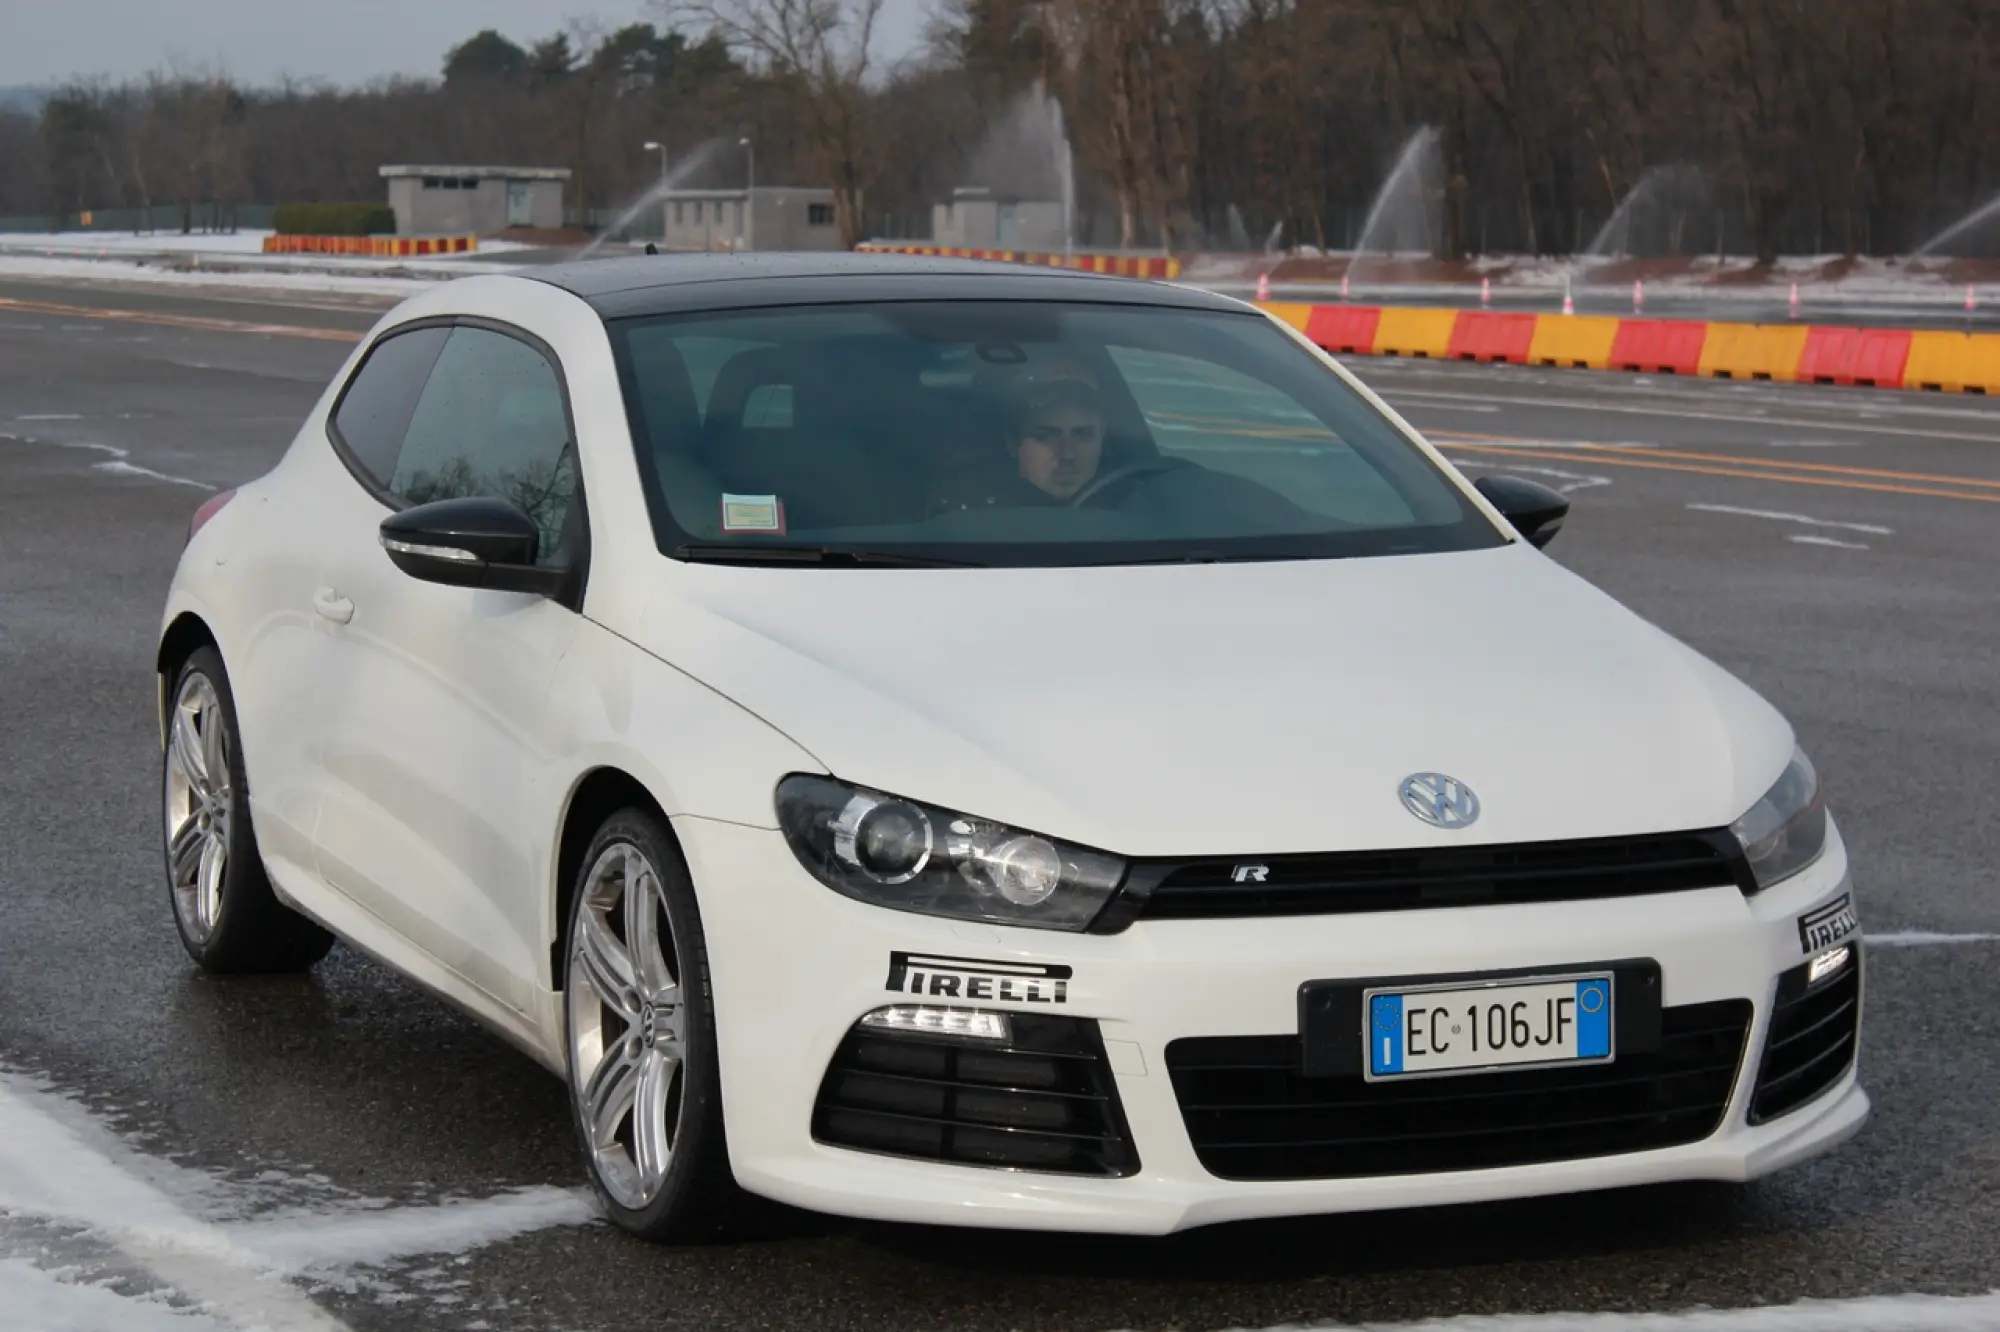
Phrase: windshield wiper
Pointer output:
(713, 553)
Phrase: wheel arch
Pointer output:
(187, 633)
(598, 794)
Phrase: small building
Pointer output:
(474, 200)
(975, 219)
(768, 217)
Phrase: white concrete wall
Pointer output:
(778, 219)
(480, 211)
(991, 224)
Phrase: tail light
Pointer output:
(209, 508)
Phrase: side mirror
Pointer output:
(474, 542)
(1536, 511)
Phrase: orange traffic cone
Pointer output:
(1263, 286)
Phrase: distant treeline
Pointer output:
(1859, 126)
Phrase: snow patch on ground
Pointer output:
(35, 1300)
(148, 1243)
(203, 242)
(360, 282)
(234, 243)
(1886, 1313)
(317, 1242)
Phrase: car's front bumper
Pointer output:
(794, 966)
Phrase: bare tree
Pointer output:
(821, 54)
(1864, 124)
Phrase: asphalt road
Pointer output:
(1839, 549)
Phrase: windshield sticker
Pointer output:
(753, 513)
(975, 978)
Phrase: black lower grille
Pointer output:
(1251, 1112)
(1440, 877)
(1044, 1101)
(1815, 1031)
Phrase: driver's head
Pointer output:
(1060, 436)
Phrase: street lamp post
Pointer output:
(661, 149)
(745, 229)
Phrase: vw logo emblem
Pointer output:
(1441, 801)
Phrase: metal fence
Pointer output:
(166, 218)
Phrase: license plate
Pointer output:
(1414, 1031)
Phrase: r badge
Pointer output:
(1824, 928)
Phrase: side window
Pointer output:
(490, 422)
(376, 408)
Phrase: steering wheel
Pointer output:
(1098, 484)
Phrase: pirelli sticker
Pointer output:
(1822, 929)
(937, 977)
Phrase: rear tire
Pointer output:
(639, 1041)
(228, 918)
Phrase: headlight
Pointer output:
(1786, 830)
(896, 853)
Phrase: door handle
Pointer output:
(331, 605)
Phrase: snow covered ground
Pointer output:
(1825, 277)
(1823, 281)
(173, 242)
(98, 1234)
(359, 280)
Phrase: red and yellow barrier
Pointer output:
(1493, 337)
(1870, 357)
(1659, 346)
(1415, 332)
(1954, 362)
(1754, 351)
(1573, 342)
(1345, 328)
(371, 247)
(1118, 265)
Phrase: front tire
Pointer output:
(639, 1035)
(228, 918)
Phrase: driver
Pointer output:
(1059, 436)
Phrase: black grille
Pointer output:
(1251, 1112)
(1456, 876)
(1044, 1102)
(1813, 1037)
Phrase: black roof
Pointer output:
(672, 283)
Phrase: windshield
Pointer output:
(1004, 433)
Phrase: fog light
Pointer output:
(971, 1023)
(1828, 964)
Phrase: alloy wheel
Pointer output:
(199, 800)
(627, 1025)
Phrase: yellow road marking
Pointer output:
(201, 322)
(1597, 457)
(1776, 464)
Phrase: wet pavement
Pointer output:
(336, 1118)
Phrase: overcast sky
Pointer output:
(344, 41)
